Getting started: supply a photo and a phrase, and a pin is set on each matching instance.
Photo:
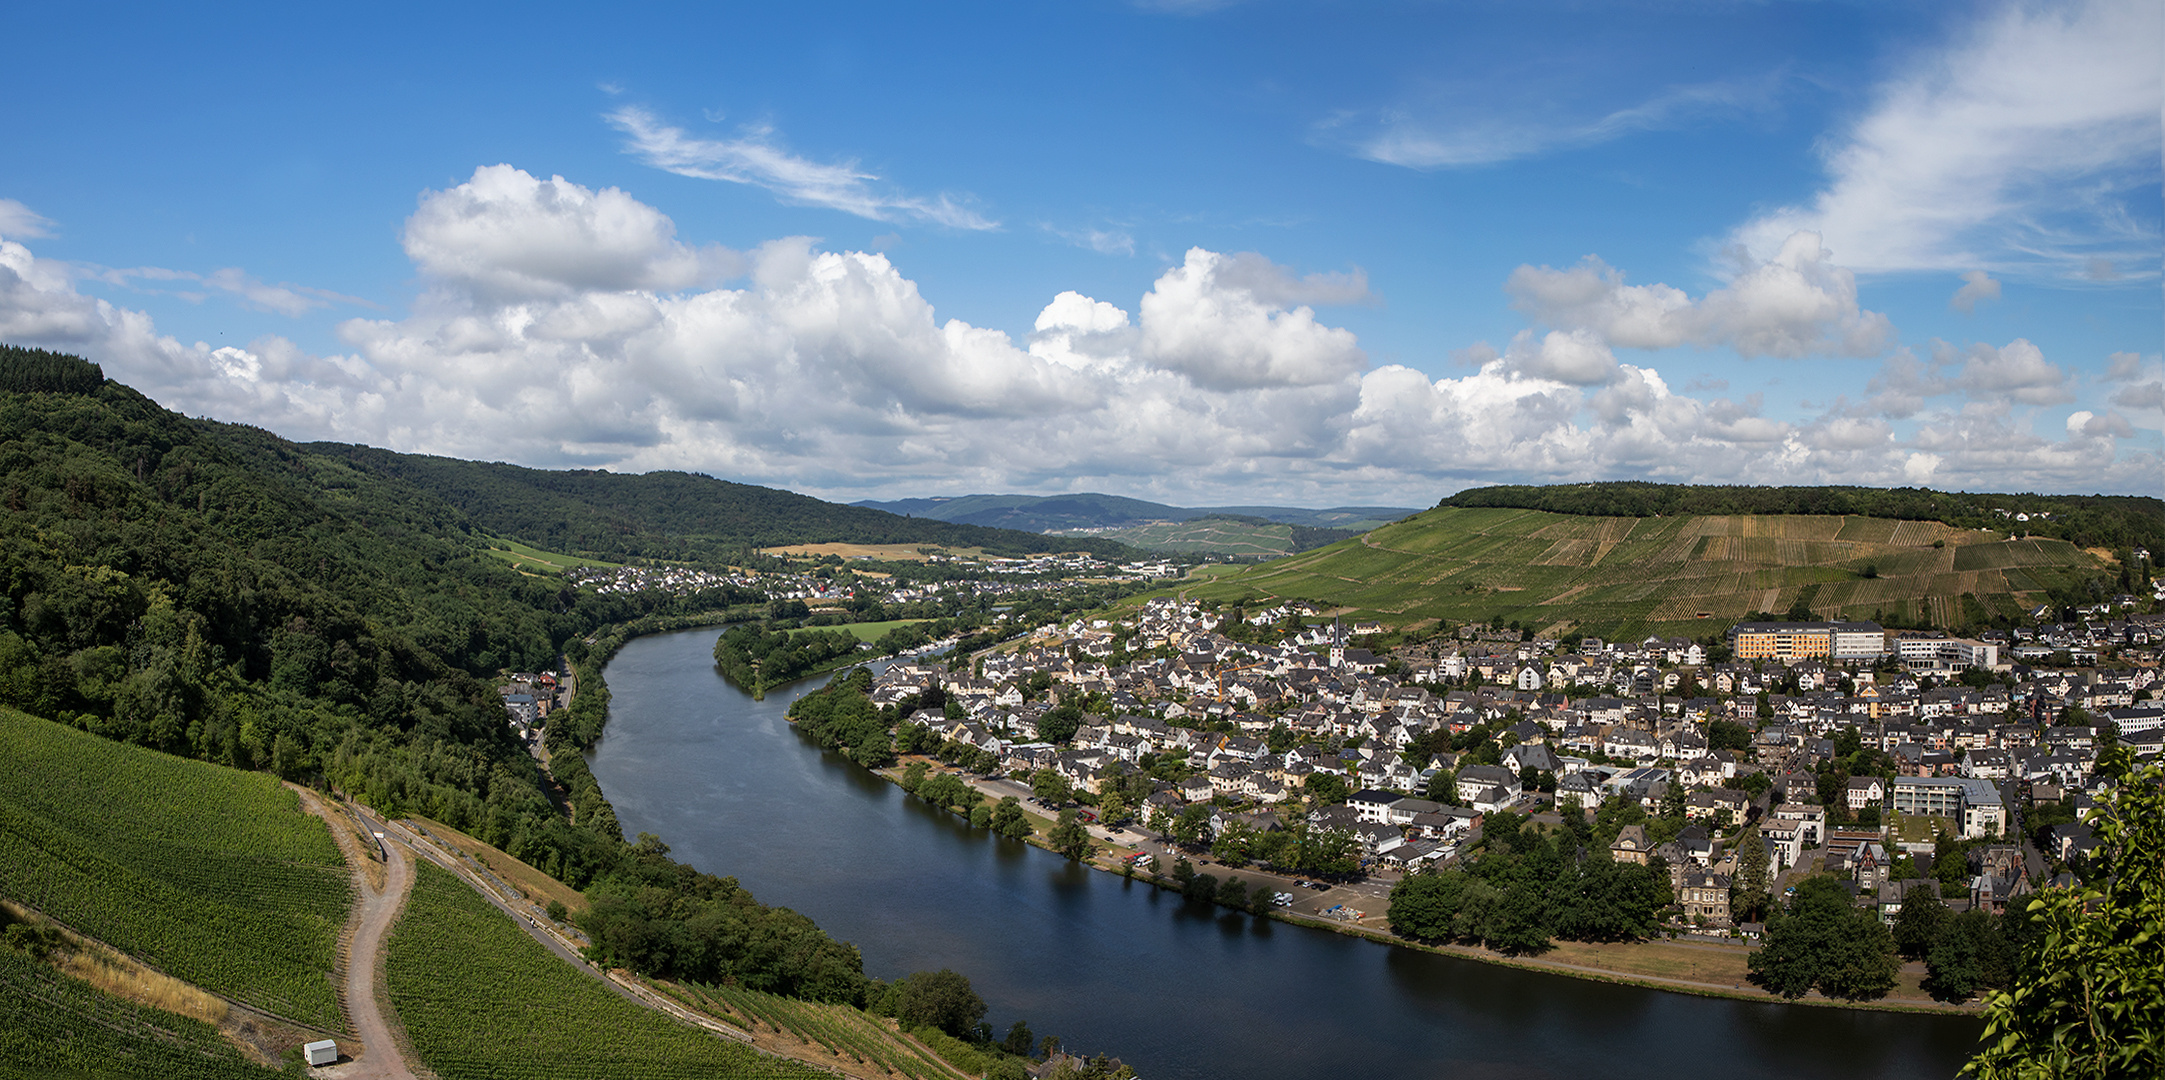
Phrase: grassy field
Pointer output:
(1620, 577)
(55, 1026)
(535, 560)
(212, 874)
(483, 1001)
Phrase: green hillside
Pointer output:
(214, 875)
(1226, 534)
(482, 1000)
(667, 515)
(54, 1026)
(216, 592)
(1623, 576)
(1089, 510)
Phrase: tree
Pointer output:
(1917, 924)
(1192, 826)
(1672, 799)
(1233, 893)
(1069, 837)
(1059, 724)
(1049, 786)
(1326, 787)
(914, 776)
(1112, 808)
(1823, 942)
(1950, 863)
(1232, 845)
(1425, 907)
(940, 999)
(1202, 887)
(1443, 787)
(1966, 957)
(1009, 820)
(1728, 735)
(2085, 999)
(1019, 1040)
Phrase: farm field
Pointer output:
(55, 1026)
(483, 1001)
(1622, 577)
(854, 1040)
(533, 559)
(211, 874)
(884, 552)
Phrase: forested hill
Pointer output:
(216, 592)
(671, 515)
(1089, 510)
(2108, 521)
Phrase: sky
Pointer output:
(1204, 252)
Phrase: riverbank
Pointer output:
(1702, 968)
(1177, 989)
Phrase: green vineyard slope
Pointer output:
(211, 874)
(482, 1001)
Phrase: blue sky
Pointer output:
(1204, 252)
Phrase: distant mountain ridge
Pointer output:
(671, 515)
(1091, 510)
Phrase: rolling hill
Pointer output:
(670, 515)
(1049, 513)
(1623, 576)
(1237, 535)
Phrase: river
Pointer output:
(1179, 992)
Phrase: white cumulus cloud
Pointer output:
(558, 325)
(2021, 146)
(1796, 303)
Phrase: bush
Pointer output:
(938, 999)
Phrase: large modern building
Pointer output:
(1972, 801)
(1946, 654)
(1791, 642)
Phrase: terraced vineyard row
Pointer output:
(845, 1032)
(1625, 576)
(54, 1026)
(483, 1001)
(212, 874)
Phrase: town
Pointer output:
(1898, 762)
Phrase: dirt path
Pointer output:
(380, 891)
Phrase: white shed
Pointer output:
(324, 1052)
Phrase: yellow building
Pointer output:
(1787, 642)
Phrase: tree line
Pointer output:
(2114, 521)
(1525, 887)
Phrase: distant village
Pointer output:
(999, 580)
(1975, 733)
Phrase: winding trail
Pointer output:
(374, 1051)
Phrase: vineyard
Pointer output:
(844, 1032)
(54, 1026)
(211, 874)
(483, 1001)
(1624, 577)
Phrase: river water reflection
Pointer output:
(1180, 992)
